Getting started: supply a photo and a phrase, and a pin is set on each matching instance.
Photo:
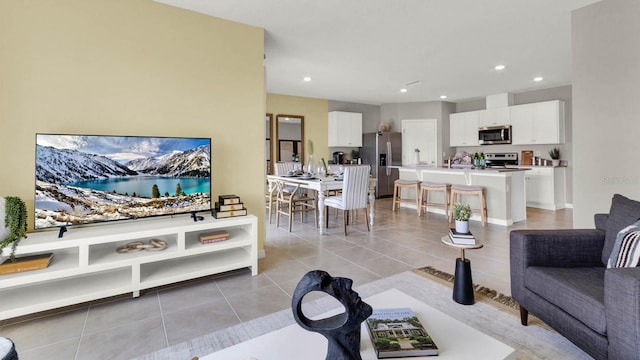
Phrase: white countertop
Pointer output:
(462, 170)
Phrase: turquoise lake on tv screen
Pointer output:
(142, 185)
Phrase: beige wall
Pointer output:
(315, 112)
(131, 67)
(606, 113)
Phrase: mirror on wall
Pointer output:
(289, 135)
(268, 150)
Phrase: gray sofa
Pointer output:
(561, 277)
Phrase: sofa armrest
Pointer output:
(622, 309)
(552, 248)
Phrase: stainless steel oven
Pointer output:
(494, 135)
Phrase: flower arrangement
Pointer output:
(461, 212)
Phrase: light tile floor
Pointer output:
(123, 327)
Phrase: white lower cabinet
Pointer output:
(545, 187)
(85, 265)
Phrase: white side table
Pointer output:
(462, 283)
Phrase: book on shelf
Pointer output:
(218, 214)
(462, 240)
(397, 332)
(214, 236)
(228, 199)
(229, 207)
(454, 233)
(26, 263)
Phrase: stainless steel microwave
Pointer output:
(494, 135)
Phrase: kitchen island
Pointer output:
(504, 189)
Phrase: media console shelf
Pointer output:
(85, 265)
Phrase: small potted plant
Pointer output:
(461, 214)
(555, 156)
(13, 223)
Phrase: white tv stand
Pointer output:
(85, 265)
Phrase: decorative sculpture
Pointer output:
(341, 330)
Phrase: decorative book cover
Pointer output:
(228, 199)
(462, 240)
(225, 214)
(454, 233)
(229, 207)
(214, 236)
(26, 263)
(397, 332)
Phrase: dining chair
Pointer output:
(288, 202)
(355, 189)
(282, 168)
(270, 198)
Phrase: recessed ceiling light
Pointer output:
(499, 67)
(403, 90)
(538, 78)
(443, 97)
(307, 78)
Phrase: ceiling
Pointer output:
(365, 51)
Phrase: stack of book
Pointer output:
(461, 238)
(214, 236)
(229, 206)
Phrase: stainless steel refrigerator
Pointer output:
(383, 151)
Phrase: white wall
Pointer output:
(606, 100)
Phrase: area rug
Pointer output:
(531, 342)
(482, 293)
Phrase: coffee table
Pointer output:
(455, 339)
(462, 283)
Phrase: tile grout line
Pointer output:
(226, 299)
(84, 327)
(164, 324)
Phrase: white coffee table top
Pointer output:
(455, 340)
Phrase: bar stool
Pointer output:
(425, 188)
(457, 190)
(398, 185)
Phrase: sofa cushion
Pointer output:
(623, 213)
(579, 291)
(626, 250)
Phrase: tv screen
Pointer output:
(82, 179)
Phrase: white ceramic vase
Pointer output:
(462, 226)
(4, 231)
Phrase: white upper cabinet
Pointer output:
(345, 129)
(538, 123)
(494, 117)
(463, 129)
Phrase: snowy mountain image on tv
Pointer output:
(83, 179)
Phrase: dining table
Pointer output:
(323, 184)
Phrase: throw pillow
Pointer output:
(626, 250)
(623, 212)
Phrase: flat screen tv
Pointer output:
(83, 179)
